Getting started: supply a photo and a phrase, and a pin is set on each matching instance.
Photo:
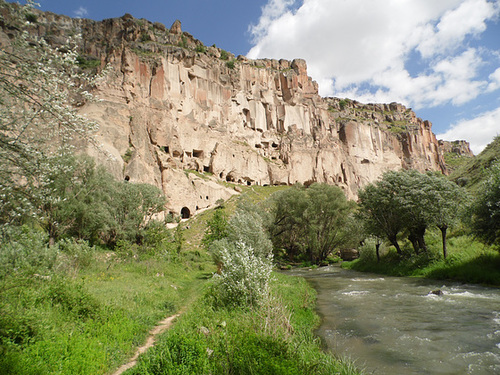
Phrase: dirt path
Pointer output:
(161, 327)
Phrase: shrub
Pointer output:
(224, 55)
(25, 250)
(244, 279)
(183, 42)
(200, 48)
(78, 252)
(230, 64)
(156, 236)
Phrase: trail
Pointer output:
(161, 327)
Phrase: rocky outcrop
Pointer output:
(460, 148)
(184, 117)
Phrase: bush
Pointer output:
(25, 250)
(200, 48)
(224, 55)
(156, 236)
(78, 252)
(486, 223)
(244, 279)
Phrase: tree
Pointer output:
(380, 208)
(446, 204)
(486, 209)
(41, 88)
(287, 226)
(217, 228)
(410, 201)
(312, 221)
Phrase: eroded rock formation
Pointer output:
(171, 107)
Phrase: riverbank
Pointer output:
(468, 261)
(277, 338)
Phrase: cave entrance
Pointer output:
(185, 213)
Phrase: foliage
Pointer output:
(75, 198)
(244, 257)
(410, 201)
(311, 222)
(200, 48)
(244, 278)
(343, 103)
(216, 228)
(486, 223)
(86, 62)
(224, 55)
(25, 251)
(468, 261)
(183, 42)
(231, 64)
(476, 170)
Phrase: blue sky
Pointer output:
(439, 57)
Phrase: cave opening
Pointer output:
(185, 213)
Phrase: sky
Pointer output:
(439, 57)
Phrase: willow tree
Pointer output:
(410, 201)
(312, 222)
(380, 208)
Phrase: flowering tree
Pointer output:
(41, 88)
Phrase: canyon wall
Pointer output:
(185, 117)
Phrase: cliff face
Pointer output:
(170, 105)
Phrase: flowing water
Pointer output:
(392, 325)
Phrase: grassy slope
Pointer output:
(91, 323)
(475, 170)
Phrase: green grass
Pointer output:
(274, 339)
(91, 322)
(468, 261)
(454, 160)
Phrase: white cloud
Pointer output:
(81, 12)
(356, 44)
(478, 131)
(494, 81)
(467, 19)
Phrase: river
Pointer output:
(394, 325)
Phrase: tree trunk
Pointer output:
(443, 229)
(377, 250)
(413, 239)
(393, 240)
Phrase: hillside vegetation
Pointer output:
(475, 170)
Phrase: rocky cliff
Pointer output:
(185, 117)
